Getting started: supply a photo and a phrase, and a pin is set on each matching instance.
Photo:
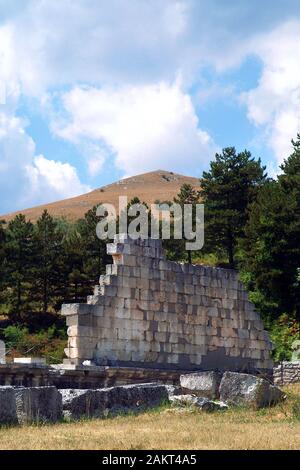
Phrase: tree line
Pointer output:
(47, 263)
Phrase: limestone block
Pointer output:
(110, 291)
(146, 295)
(145, 273)
(243, 334)
(149, 336)
(173, 338)
(255, 353)
(117, 303)
(189, 289)
(80, 343)
(144, 283)
(228, 303)
(213, 331)
(163, 327)
(112, 269)
(228, 332)
(151, 356)
(8, 412)
(129, 282)
(38, 404)
(216, 341)
(128, 260)
(248, 390)
(75, 309)
(136, 314)
(80, 331)
(138, 356)
(160, 336)
(172, 358)
(124, 292)
(258, 324)
(75, 353)
(204, 384)
(143, 261)
(234, 352)
(101, 402)
(212, 311)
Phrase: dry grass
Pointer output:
(166, 428)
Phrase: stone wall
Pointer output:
(150, 312)
(287, 373)
(82, 377)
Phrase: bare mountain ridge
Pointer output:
(148, 187)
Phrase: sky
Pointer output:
(92, 91)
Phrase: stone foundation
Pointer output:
(150, 312)
(81, 377)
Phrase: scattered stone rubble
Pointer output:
(20, 405)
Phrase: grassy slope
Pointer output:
(166, 428)
(149, 187)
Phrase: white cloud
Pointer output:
(147, 127)
(100, 42)
(59, 180)
(129, 51)
(26, 179)
(275, 103)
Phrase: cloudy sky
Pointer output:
(95, 90)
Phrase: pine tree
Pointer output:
(186, 195)
(19, 267)
(270, 252)
(48, 263)
(76, 280)
(95, 256)
(226, 190)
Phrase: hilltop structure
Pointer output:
(152, 313)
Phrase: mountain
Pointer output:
(148, 187)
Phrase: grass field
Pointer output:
(167, 428)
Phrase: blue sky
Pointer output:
(92, 91)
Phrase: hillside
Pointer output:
(148, 187)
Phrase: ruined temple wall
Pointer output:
(147, 311)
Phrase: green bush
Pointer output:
(48, 343)
(283, 333)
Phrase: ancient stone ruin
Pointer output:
(152, 313)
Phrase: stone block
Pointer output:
(111, 401)
(75, 309)
(248, 390)
(8, 412)
(38, 404)
(202, 403)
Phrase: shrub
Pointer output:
(48, 343)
